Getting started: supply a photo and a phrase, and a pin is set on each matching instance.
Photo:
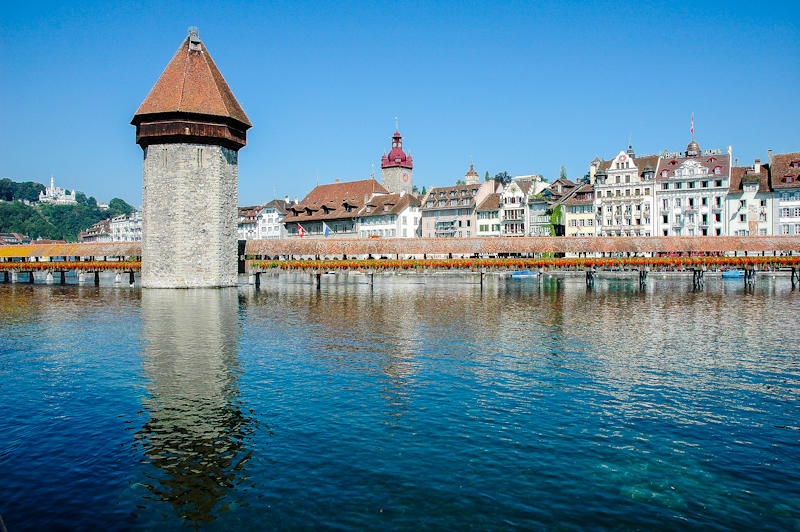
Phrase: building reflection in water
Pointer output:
(196, 433)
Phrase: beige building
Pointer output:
(579, 212)
(450, 211)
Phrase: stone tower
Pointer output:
(471, 177)
(190, 128)
(396, 168)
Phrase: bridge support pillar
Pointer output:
(30, 277)
(117, 278)
(81, 277)
(5, 276)
(643, 276)
(483, 278)
(698, 278)
(97, 278)
(590, 271)
(49, 278)
(63, 279)
(131, 279)
(318, 280)
(257, 280)
(749, 276)
(14, 276)
(794, 276)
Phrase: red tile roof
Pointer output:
(192, 83)
(784, 174)
(491, 203)
(670, 164)
(327, 202)
(388, 204)
(745, 173)
(579, 196)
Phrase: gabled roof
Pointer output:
(277, 204)
(383, 204)
(326, 202)
(670, 164)
(782, 167)
(192, 83)
(491, 203)
(640, 162)
(578, 196)
(741, 174)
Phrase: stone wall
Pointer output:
(189, 215)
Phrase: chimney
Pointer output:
(736, 162)
(757, 166)
(769, 155)
(296, 200)
(287, 200)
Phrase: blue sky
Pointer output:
(519, 86)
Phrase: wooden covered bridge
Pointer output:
(428, 254)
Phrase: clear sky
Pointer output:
(520, 86)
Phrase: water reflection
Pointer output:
(195, 437)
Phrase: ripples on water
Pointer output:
(423, 403)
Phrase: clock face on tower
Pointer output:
(405, 177)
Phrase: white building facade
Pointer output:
(691, 191)
(126, 227)
(624, 195)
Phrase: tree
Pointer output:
(424, 191)
(503, 178)
(117, 207)
(486, 177)
(80, 197)
(460, 182)
(563, 172)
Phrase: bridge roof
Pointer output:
(562, 244)
(114, 249)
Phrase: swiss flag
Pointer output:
(300, 230)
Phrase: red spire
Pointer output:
(397, 156)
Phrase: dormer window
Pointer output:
(794, 164)
(664, 173)
(712, 159)
(717, 170)
(673, 162)
(788, 179)
(385, 208)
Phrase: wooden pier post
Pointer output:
(483, 278)
(5, 276)
(97, 278)
(794, 276)
(131, 278)
(30, 277)
(318, 280)
(63, 279)
(257, 280)
(14, 276)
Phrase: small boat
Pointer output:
(733, 274)
(523, 274)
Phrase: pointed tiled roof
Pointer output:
(192, 83)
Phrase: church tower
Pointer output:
(190, 128)
(397, 168)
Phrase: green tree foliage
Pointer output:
(424, 191)
(117, 207)
(11, 190)
(563, 172)
(460, 182)
(72, 219)
(503, 177)
(557, 221)
(16, 217)
(486, 177)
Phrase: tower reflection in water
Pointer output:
(195, 435)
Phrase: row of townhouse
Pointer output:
(690, 193)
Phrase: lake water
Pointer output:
(419, 403)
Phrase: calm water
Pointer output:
(420, 404)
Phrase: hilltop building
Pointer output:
(397, 168)
(190, 128)
(57, 195)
